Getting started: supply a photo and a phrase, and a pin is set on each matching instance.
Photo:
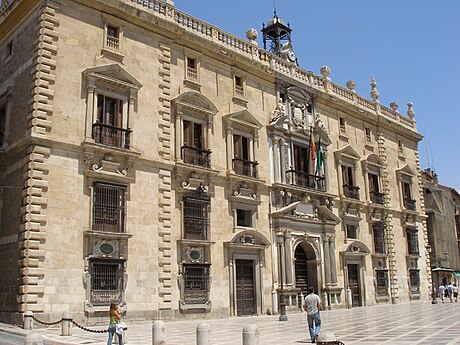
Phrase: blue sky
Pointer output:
(412, 47)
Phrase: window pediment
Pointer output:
(249, 238)
(114, 75)
(347, 152)
(372, 160)
(405, 171)
(356, 248)
(195, 102)
(243, 118)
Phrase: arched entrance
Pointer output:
(305, 268)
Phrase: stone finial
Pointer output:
(410, 110)
(374, 92)
(351, 84)
(325, 72)
(394, 106)
(252, 35)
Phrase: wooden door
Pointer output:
(245, 296)
(353, 282)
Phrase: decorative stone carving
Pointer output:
(410, 110)
(351, 84)
(374, 92)
(394, 106)
(278, 112)
(325, 72)
(319, 123)
(298, 117)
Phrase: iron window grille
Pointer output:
(196, 283)
(109, 207)
(196, 218)
(244, 218)
(106, 281)
(379, 238)
(352, 231)
(382, 282)
(412, 242)
(414, 279)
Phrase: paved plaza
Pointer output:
(411, 323)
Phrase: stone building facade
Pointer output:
(150, 158)
(443, 227)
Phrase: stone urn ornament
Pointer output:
(325, 72)
(374, 92)
(252, 35)
(394, 106)
(410, 110)
(351, 84)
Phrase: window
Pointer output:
(352, 231)
(192, 69)
(412, 242)
(414, 280)
(244, 218)
(196, 217)
(342, 127)
(196, 283)
(382, 282)
(367, 132)
(108, 129)
(113, 37)
(193, 150)
(400, 148)
(109, 203)
(2, 124)
(349, 188)
(304, 172)
(239, 86)
(374, 189)
(106, 281)
(242, 164)
(379, 238)
(409, 203)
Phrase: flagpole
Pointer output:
(309, 152)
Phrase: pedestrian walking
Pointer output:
(312, 307)
(450, 292)
(441, 290)
(114, 325)
(455, 289)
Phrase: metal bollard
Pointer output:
(250, 335)
(158, 333)
(28, 320)
(203, 334)
(66, 325)
(34, 339)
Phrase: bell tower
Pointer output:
(278, 36)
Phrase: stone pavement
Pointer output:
(402, 324)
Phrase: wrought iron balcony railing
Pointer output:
(245, 167)
(351, 192)
(196, 156)
(303, 179)
(377, 197)
(111, 135)
(409, 204)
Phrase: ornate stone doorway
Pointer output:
(305, 268)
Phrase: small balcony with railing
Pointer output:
(303, 179)
(245, 167)
(196, 156)
(409, 203)
(111, 136)
(377, 197)
(351, 192)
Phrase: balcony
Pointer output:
(111, 136)
(245, 167)
(409, 204)
(302, 179)
(351, 192)
(377, 197)
(196, 156)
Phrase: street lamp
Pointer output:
(280, 240)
